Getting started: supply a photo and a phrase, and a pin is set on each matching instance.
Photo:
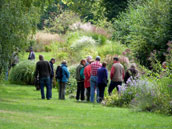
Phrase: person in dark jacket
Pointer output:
(80, 80)
(31, 55)
(43, 70)
(131, 72)
(102, 76)
(52, 61)
(63, 81)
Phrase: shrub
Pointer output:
(142, 95)
(61, 23)
(145, 27)
(72, 85)
(82, 42)
(101, 39)
(23, 73)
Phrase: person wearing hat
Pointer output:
(31, 54)
(64, 79)
(52, 61)
(116, 75)
(93, 79)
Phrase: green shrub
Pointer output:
(61, 22)
(47, 48)
(110, 48)
(145, 27)
(23, 73)
(101, 39)
(72, 85)
(143, 95)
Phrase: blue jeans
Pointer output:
(93, 85)
(45, 81)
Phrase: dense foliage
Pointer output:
(144, 95)
(18, 20)
(23, 73)
(146, 26)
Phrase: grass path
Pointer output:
(22, 108)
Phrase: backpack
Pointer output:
(59, 73)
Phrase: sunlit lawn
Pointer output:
(47, 55)
(22, 108)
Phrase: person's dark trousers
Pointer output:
(113, 85)
(51, 85)
(62, 87)
(80, 91)
(101, 91)
(45, 81)
(88, 93)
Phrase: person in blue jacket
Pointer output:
(64, 80)
(102, 79)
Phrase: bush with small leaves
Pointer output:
(23, 73)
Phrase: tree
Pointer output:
(18, 18)
(145, 27)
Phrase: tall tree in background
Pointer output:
(18, 18)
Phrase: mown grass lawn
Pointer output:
(47, 56)
(22, 108)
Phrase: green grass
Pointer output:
(47, 55)
(22, 108)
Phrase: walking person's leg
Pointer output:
(92, 90)
(88, 94)
(51, 81)
(60, 89)
(111, 87)
(97, 97)
(42, 88)
(47, 81)
(78, 91)
(118, 84)
(100, 91)
(63, 90)
(82, 91)
(103, 91)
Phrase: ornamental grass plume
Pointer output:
(82, 42)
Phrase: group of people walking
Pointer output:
(45, 71)
(91, 77)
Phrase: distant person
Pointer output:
(15, 58)
(62, 76)
(31, 54)
(89, 58)
(80, 81)
(116, 75)
(93, 80)
(87, 74)
(131, 72)
(52, 61)
(102, 78)
(43, 70)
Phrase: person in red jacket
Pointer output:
(87, 74)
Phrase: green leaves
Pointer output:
(145, 27)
